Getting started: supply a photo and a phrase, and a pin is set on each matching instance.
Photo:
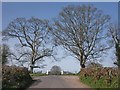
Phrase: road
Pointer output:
(53, 81)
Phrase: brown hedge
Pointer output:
(97, 73)
(15, 77)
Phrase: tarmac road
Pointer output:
(53, 81)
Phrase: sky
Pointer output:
(60, 0)
(50, 10)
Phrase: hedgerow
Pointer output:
(100, 77)
(15, 77)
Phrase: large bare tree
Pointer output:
(20, 55)
(33, 34)
(115, 34)
(81, 30)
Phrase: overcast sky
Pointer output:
(49, 11)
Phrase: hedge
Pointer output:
(15, 77)
(100, 77)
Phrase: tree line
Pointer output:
(82, 30)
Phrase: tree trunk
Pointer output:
(31, 69)
(82, 62)
(118, 61)
(82, 65)
(118, 54)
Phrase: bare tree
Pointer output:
(81, 30)
(94, 65)
(5, 53)
(33, 34)
(115, 34)
(21, 55)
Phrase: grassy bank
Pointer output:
(101, 83)
(100, 78)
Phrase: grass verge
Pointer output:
(101, 83)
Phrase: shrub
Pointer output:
(15, 77)
(55, 70)
(106, 77)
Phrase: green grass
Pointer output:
(69, 75)
(99, 83)
(37, 74)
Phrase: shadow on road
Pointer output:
(36, 82)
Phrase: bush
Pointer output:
(15, 77)
(55, 70)
(100, 77)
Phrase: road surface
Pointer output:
(57, 82)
